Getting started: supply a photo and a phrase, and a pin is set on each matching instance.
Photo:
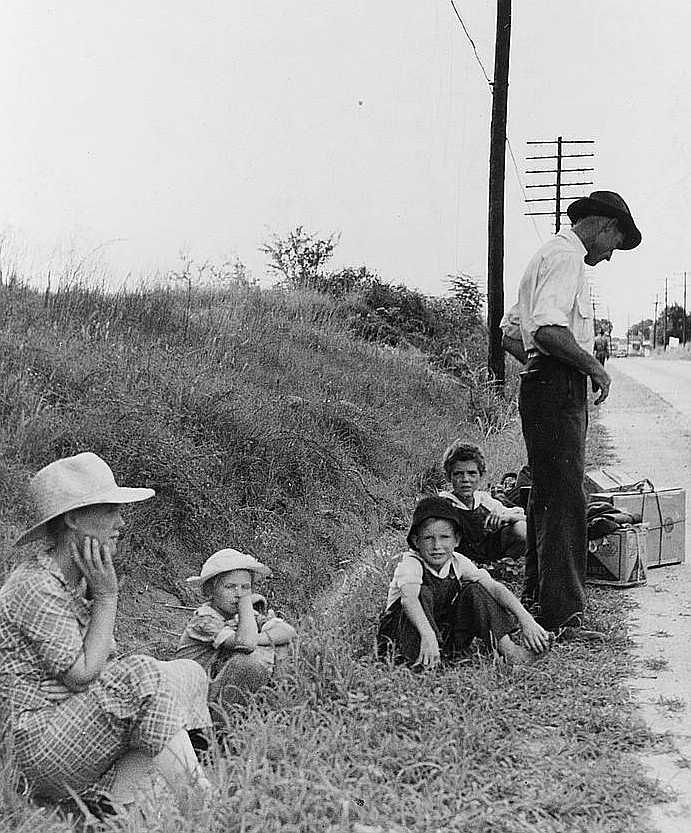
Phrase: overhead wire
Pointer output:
(490, 84)
(472, 43)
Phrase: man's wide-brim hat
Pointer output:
(431, 507)
(73, 483)
(226, 560)
(607, 204)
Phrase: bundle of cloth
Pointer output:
(604, 519)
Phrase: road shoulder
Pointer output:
(651, 438)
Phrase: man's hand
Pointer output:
(600, 381)
(429, 651)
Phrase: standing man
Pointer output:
(601, 347)
(556, 327)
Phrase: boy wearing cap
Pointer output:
(232, 635)
(439, 601)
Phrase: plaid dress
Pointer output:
(65, 741)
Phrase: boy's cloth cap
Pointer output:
(74, 483)
(431, 507)
(226, 560)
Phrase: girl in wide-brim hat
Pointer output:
(83, 722)
(232, 635)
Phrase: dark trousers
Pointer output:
(554, 416)
(481, 544)
(457, 612)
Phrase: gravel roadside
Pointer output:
(652, 438)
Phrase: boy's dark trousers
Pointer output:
(482, 544)
(457, 610)
(554, 416)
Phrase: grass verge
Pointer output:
(261, 423)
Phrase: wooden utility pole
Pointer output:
(497, 166)
(683, 320)
(664, 332)
(655, 324)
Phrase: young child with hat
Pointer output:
(232, 635)
(439, 601)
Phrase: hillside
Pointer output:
(264, 422)
(259, 418)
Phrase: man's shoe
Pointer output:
(572, 630)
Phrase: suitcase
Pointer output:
(618, 559)
(665, 513)
(610, 480)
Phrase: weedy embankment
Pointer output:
(265, 423)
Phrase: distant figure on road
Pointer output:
(601, 346)
(556, 327)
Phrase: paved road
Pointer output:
(669, 379)
(648, 416)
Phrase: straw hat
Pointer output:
(225, 560)
(73, 483)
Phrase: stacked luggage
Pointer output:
(632, 526)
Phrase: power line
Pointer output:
(472, 43)
(520, 185)
(491, 88)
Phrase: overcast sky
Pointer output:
(144, 128)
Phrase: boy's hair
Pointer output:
(460, 452)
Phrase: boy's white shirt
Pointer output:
(409, 571)
(480, 498)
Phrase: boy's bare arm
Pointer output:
(429, 646)
(536, 637)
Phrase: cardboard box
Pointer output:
(619, 559)
(609, 480)
(665, 513)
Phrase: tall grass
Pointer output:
(263, 423)
(260, 420)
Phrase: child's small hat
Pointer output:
(432, 507)
(225, 560)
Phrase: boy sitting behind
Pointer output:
(232, 636)
(439, 600)
(489, 529)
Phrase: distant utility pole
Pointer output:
(558, 184)
(683, 320)
(664, 332)
(655, 324)
(497, 166)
